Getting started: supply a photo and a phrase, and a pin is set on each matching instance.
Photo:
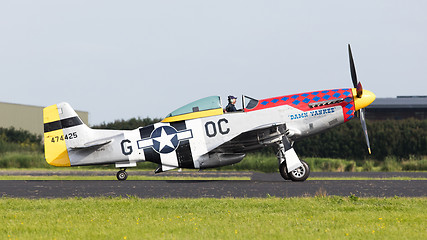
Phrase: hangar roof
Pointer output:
(419, 102)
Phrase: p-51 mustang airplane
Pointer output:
(201, 135)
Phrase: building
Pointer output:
(27, 117)
(401, 107)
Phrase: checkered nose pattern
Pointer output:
(302, 101)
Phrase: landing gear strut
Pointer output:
(122, 174)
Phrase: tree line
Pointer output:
(403, 139)
(17, 140)
(130, 124)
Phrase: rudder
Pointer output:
(58, 119)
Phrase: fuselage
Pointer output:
(191, 143)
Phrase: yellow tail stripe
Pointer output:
(55, 149)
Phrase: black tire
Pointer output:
(300, 174)
(122, 175)
(283, 171)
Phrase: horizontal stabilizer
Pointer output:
(94, 144)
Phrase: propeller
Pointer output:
(359, 90)
(352, 67)
(365, 130)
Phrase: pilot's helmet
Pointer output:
(231, 98)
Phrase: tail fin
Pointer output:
(62, 128)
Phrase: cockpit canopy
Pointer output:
(205, 107)
(208, 106)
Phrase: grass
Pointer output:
(268, 163)
(252, 162)
(23, 160)
(365, 178)
(160, 177)
(270, 218)
(112, 177)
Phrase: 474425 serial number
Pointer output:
(72, 135)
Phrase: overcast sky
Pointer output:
(123, 59)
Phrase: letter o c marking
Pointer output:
(221, 130)
(210, 131)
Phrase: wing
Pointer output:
(254, 139)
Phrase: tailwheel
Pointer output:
(300, 174)
(284, 171)
(122, 175)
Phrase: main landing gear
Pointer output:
(122, 174)
(299, 174)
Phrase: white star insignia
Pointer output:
(165, 140)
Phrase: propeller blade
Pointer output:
(352, 67)
(365, 130)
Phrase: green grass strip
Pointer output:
(365, 178)
(114, 178)
(139, 177)
(206, 218)
(54, 177)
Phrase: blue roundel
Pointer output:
(165, 139)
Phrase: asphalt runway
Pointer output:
(260, 185)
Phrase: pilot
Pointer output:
(230, 107)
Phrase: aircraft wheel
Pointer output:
(283, 171)
(300, 174)
(122, 175)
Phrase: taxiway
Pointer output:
(261, 185)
